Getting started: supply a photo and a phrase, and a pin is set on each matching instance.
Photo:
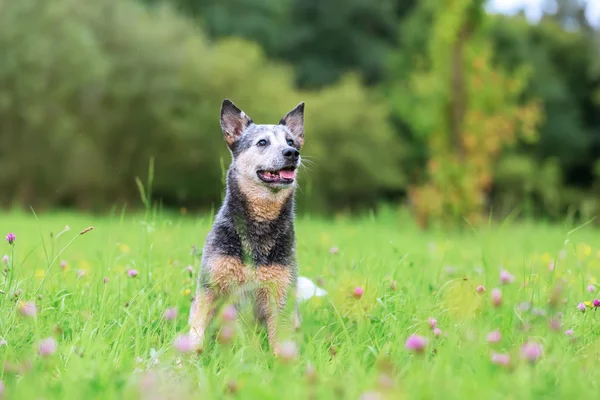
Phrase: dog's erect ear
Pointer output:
(233, 121)
(294, 121)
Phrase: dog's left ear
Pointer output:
(233, 121)
(294, 121)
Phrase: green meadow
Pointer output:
(75, 323)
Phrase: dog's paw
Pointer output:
(197, 342)
(296, 321)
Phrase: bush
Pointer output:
(93, 89)
(521, 178)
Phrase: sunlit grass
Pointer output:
(115, 330)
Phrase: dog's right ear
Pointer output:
(233, 121)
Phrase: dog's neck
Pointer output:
(259, 203)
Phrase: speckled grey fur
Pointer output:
(236, 232)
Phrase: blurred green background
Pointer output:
(442, 105)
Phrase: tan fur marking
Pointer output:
(202, 312)
(225, 272)
(275, 281)
(276, 274)
(263, 204)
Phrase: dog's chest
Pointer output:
(263, 244)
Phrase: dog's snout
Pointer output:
(291, 154)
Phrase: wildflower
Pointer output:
(551, 267)
(132, 273)
(386, 381)
(437, 332)
(531, 351)
(587, 249)
(562, 254)
(432, 322)
(311, 374)
(524, 306)
(229, 313)
(371, 396)
(581, 307)
(555, 324)
(170, 314)
(569, 332)
(496, 297)
(416, 343)
(3, 342)
(28, 309)
(232, 387)
(183, 344)
(47, 347)
(63, 264)
(596, 303)
(449, 270)
(358, 292)
(591, 288)
(5, 260)
(393, 285)
(334, 250)
(494, 336)
(226, 334)
(500, 359)
(288, 351)
(480, 289)
(538, 312)
(105, 280)
(506, 277)
(10, 238)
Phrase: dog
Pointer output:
(252, 241)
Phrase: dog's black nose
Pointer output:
(291, 154)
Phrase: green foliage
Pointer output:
(325, 38)
(356, 155)
(565, 81)
(466, 109)
(89, 97)
(520, 177)
(92, 90)
(322, 39)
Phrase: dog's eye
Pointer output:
(261, 143)
(290, 142)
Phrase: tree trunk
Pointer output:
(458, 96)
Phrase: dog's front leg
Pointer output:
(201, 314)
(218, 278)
(275, 282)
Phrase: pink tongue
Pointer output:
(287, 174)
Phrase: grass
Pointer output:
(114, 343)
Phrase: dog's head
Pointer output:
(266, 155)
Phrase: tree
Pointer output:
(323, 39)
(465, 109)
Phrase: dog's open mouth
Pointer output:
(283, 176)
